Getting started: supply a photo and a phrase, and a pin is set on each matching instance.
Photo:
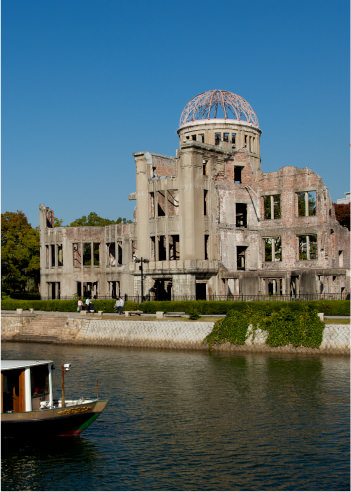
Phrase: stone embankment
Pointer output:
(96, 329)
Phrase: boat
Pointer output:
(28, 408)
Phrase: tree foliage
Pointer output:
(93, 219)
(342, 214)
(20, 254)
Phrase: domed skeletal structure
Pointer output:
(218, 104)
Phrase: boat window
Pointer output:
(39, 380)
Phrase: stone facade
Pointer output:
(209, 223)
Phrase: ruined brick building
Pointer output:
(208, 223)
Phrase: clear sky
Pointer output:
(86, 83)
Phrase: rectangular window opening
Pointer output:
(86, 254)
(241, 215)
(217, 138)
(206, 246)
(153, 249)
(240, 257)
(306, 203)
(59, 255)
(173, 202)
(96, 254)
(151, 205)
(271, 207)
(237, 174)
(111, 254)
(53, 255)
(77, 255)
(120, 252)
(272, 249)
(161, 248)
(174, 247)
(205, 202)
(161, 204)
(308, 247)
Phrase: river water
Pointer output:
(182, 420)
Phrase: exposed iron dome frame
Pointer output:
(218, 104)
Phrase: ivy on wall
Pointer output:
(284, 327)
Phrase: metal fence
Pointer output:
(260, 297)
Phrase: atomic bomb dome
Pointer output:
(218, 104)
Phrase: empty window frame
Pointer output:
(173, 202)
(202, 137)
(114, 289)
(161, 248)
(341, 258)
(274, 286)
(240, 257)
(86, 254)
(59, 255)
(204, 168)
(205, 202)
(153, 248)
(234, 139)
(77, 254)
(47, 256)
(151, 205)
(96, 254)
(271, 206)
(241, 215)
(306, 203)
(245, 141)
(53, 255)
(193, 137)
(238, 174)
(225, 137)
(134, 250)
(308, 247)
(111, 254)
(218, 137)
(174, 247)
(206, 238)
(119, 252)
(272, 249)
(161, 204)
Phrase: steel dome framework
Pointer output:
(218, 104)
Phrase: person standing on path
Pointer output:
(121, 303)
(118, 305)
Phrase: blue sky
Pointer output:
(86, 83)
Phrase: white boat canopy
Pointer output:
(7, 365)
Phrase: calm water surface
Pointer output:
(193, 421)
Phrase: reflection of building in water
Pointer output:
(209, 220)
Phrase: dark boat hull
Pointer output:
(67, 421)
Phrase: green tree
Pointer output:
(20, 254)
(94, 219)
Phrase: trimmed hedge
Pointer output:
(62, 305)
(331, 308)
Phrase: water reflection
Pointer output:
(195, 421)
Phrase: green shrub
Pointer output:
(284, 327)
(298, 329)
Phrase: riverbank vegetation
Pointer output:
(300, 328)
(192, 308)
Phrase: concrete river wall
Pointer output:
(103, 329)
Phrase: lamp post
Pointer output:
(141, 260)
